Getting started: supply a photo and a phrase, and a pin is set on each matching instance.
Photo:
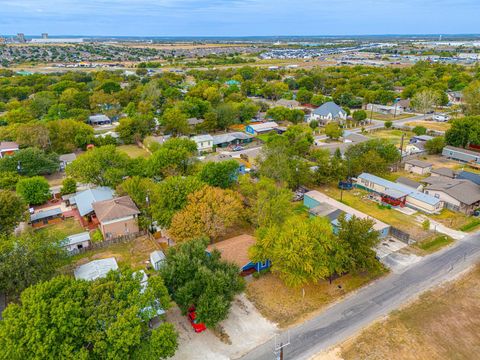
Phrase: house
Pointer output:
(418, 166)
(157, 259)
(204, 142)
(95, 269)
(467, 175)
(66, 159)
(231, 139)
(444, 172)
(409, 182)
(462, 155)
(386, 109)
(235, 250)
(441, 117)
(455, 97)
(7, 148)
(420, 138)
(397, 194)
(99, 119)
(457, 195)
(76, 242)
(117, 217)
(46, 217)
(405, 104)
(262, 128)
(328, 112)
(322, 205)
(85, 199)
(290, 104)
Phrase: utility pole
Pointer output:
(278, 350)
(401, 148)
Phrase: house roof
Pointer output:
(423, 137)
(202, 138)
(402, 188)
(354, 137)
(67, 157)
(195, 121)
(77, 238)
(462, 190)
(157, 256)
(408, 182)
(235, 249)
(447, 172)
(227, 138)
(418, 163)
(85, 199)
(460, 150)
(8, 145)
(112, 209)
(95, 269)
(329, 108)
(467, 175)
(269, 125)
(45, 214)
(98, 118)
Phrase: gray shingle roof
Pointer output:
(418, 163)
(408, 182)
(444, 172)
(45, 214)
(329, 108)
(462, 190)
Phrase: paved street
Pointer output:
(374, 301)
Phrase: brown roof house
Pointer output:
(235, 250)
(117, 217)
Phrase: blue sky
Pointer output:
(238, 17)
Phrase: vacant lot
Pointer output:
(388, 117)
(133, 151)
(393, 136)
(434, 243)
(442, 324)
(286, 306)
(431, 125)
(456, 220)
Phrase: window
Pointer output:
(263, 264)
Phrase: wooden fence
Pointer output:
(108, 242)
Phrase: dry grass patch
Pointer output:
(431, 125)
(442, 324)
(286, 306)
(455, 220)
(133, 151)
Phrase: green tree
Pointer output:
(388, 124)
(220, 174)
(374, 156)
(195, 278)
(435, 145)
(174, 157)
(134, 129)
(419, 130)
(12, 211)
(471, 96)
(28, 259)
(425, 101)
(69, 186)
(69, 312)
(104, 166)
(175, 122)
(34, 190)
(304, 96)
(333, 130)
(464, 131)
(30, 162)
(359, 115)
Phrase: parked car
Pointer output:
(238, 148)
(197, 326)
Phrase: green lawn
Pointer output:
(133, 151)
(456, 220)
(356, 199)
(393, 136)
(436, 243)
(65, 228)
(388, 117)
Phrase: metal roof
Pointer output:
(95, 269)
(467, 175)
(157, 256)
(418, 163)
(45, 214)
(77, 238)
(269, 125)
(226, 138)
(201, 138)
(400, 187)
(85, 199)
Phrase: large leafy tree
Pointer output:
(34, 190)
(103, 166)
(220, 174)
(175, 122)
(209, 213)
(103, 319)
(464, 131)
(68, 135)
(425, 100)
(373, 156)
(30, 162)
(133, 129)
(28, 259)
(471, 96)
(12, 211)
(195, 278)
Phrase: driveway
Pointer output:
(245, 327)
(357, 311)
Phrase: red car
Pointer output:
(197, 326)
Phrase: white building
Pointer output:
(77, 241)
(204, 142)
(95, 269)
(328, 112)
(157, 259)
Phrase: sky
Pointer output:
(238, 17)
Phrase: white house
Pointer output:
(204, 142)
(418, 166)
(328, 112)
(77, 241)
(386, 109)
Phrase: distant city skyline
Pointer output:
(238, 17)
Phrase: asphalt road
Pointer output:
(357, 311)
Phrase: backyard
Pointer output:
(442, 324)
(287, 306)
(457, 220)
(64, 228)
(133, 151)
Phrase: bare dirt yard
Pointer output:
(442, 324)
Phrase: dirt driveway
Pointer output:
(245, 327)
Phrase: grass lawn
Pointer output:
(66, 228)
(388, 117)
(356, 198)
(431, 125)
(393, 136)
(134, 253)
(435, 243)
(133, 151)
(456, 220)
(286, 306)
(442, 324)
